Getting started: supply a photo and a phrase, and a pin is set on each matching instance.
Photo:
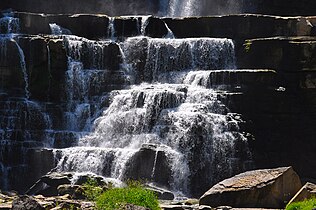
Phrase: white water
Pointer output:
(183, 8)
(170, 34)
(58, 30)
(176, 117)
(144, 24)
(9, 25)
(111, 28)
(23, 68)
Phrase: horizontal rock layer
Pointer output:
(228, 26)
(128, 7)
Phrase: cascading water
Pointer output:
(58, 30)
(183, 125)
(9, 24)
(142, 108)
(183, 8)
(111, 28)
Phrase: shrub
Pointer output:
(91, 189)
(134, 193)
(303, 205)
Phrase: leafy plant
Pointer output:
(302, 205)
(91, 189)
(134, 193)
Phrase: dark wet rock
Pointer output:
(44, 76)
(128, 7)
(150, 163)
(269, 188)
(55, 179)
(291, 54)
(239, 27)
(82, 179)
(26, 203)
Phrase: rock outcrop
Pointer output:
(26, 203)
(306, 192)
(269, 188)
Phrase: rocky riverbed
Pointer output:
(258, 189)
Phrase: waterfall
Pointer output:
(183, 8)
(23, 68)
(58, 30)
(111, 28)
(144, 24)
(170, 34)
(155, 109)
(183, 118)
(9, 25)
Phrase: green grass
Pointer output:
(116, 198)
(303, 205)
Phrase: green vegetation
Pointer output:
(303, 205)
(134, 193)
(92, 190)
(247, 45)
(117, 198)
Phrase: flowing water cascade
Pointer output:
(111, 28)
(183, 8)
(155, 109)
(173, 130)
(9, 24)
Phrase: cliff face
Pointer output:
(158, 7)
(255, 73)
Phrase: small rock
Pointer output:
(161, 193)
(133, 207)
(26, 203)
(202, 207)
(223, 208)
(75, 191)
(191, 202)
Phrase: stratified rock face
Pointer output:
(237, 26)
(306, 192)
(165, 7)
(269, 188)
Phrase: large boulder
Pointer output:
(306, 192)
(267, 188)
(149, 163)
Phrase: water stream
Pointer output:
(175, 111)
(141, 108)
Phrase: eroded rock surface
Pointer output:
(268, 188)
